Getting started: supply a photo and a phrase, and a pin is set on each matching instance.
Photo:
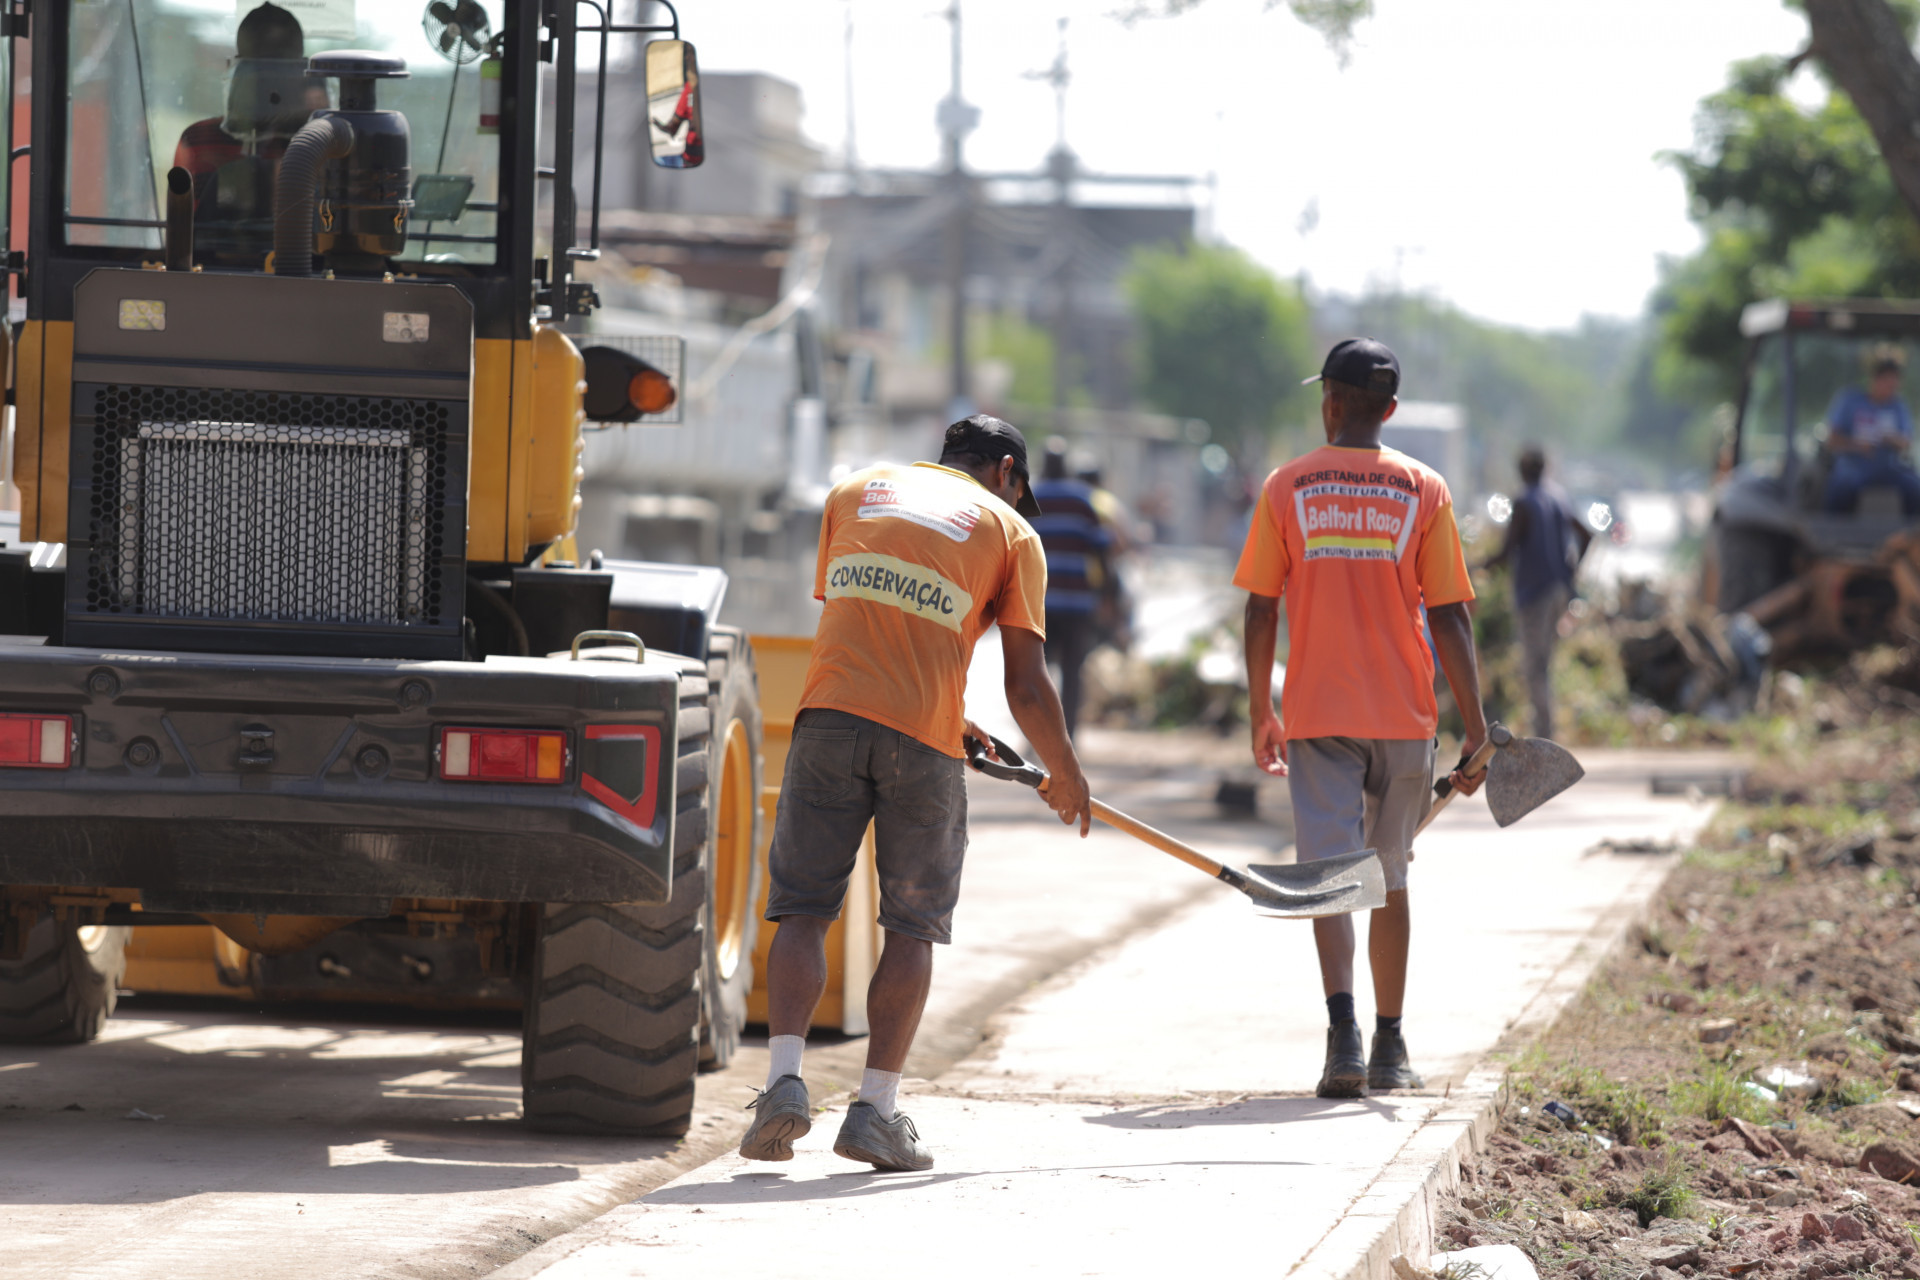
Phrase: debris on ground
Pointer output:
(1753, 1058)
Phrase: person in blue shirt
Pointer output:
(1870, 435)
(1076, 542)
(1543, 548)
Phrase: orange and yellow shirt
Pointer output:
(1356, 541)
(915, 563)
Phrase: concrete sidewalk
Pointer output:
(1150, 1109)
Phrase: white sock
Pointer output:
(880, 1090)
(786, 1057)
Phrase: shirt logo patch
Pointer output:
(1355, 521)
(866, 575)
(923, 504)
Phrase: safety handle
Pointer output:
(639, 645)
(1009, 768)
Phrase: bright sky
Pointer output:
(1495, 153)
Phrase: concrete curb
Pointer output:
(1397, 1213)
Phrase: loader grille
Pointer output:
(257, 507)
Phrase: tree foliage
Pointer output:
(1220, 339)
(1335, 20)
(1793, 200)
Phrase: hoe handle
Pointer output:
(1498, 735)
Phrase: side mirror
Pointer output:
(673, 105)
(623, 387)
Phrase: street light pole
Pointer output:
(956, 120)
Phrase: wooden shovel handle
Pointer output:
(1158, 839)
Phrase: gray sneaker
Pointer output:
(886, 1144)
(783, 1114)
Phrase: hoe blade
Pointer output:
(1526, 774)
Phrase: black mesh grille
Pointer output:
(245, 506)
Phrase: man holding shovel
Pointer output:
(915, 563)
(1359, 538)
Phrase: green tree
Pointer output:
(1793, 200)
(1220, 339)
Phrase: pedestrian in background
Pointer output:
(1076, 542)
(915, 563)
(1359, 538)
(1543, 547)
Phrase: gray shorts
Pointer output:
(843, 771)
(1359, 793)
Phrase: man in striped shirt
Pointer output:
(1076, 542)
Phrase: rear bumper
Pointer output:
(171, 791)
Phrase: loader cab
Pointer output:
(1774, 512)
(329, 364)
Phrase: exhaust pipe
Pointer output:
(179, 252)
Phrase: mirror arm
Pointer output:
(566, 63)
(599, 121)
(626, 29)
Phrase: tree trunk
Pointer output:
(1863, 46)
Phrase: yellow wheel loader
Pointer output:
(291, 644)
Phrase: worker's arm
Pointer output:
(1452, 628)
(1582, 535)
(1036, 709)
(1516, 531)
(1262, 634)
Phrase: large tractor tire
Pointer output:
(1750, 563)
(734, 865)
(611, 1036)
(63, 988)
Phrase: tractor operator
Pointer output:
(1870, 435)
(915, 563)
(1358, 537)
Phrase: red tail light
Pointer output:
(503, 755)
(30, 741)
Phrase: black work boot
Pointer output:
(1346, 1072)
(1388, 1066)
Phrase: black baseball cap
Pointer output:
(988, 437)
(1362, 363)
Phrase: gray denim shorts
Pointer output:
(843, 771)
(1359, 793)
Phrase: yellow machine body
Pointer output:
(187, 960)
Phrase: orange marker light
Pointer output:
(651, 391)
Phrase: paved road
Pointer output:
(316, 1143)
(1152, 1106)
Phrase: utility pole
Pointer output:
(956, 120)
(1061, 167)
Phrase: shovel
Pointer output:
(1328, 887)
(1522, 775)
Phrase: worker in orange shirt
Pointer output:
(1360, 540)
(915, 563)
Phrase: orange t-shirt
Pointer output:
(1357, 540)
(915, 563)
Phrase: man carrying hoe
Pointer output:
(1359, 537)
(915, 563)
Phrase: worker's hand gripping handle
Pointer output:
(1498, 736)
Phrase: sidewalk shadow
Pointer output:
(1191, 1115)
(776, 1188)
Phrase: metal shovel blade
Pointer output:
(1327, 887)
(1525, 774)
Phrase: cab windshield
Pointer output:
(219, 88)
(1826, 366)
